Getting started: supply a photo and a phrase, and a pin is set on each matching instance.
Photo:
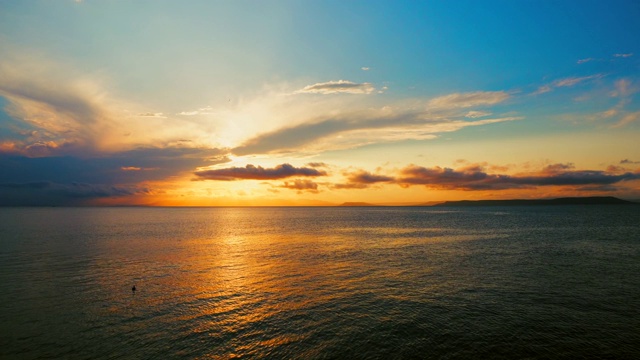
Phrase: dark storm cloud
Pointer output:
(157, 163)
(251, 172)
(63, 180)
(45, 193)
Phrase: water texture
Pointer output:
(316, 283)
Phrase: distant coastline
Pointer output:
(593, 200)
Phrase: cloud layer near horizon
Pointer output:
(469, 178)
(475, 178)
(251, 172)
(70, 180)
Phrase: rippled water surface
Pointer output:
(309, 283)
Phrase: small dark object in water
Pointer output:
(133, 289)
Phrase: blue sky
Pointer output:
(170, 90)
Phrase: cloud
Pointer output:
(362, 179)
(350, 186)
(45, 193)
(354, 131)
(623, 88)
(582, 61)
(474, 178)
(115, 168)
(365, 177)
(566, 82)
(465, 100)
(301, 185)
(627, 161)
(317, 165)
(477, 114)
(207, 110)
(72, 180)
(623, 55)
(154, 115)
(387, 124)
(628, 119)
(335, 87)
(62, 110)
(365, 68)
(251, 172)
(557, 168)
(55, 110)
(135, 168)
(543, 89)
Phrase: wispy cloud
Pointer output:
(617, 115)
(136, 168)
(621, 55)
(153, 115)
(339, 86)
(566, 82)
(465, 100)
(623, 89)
(477, 114)
(628, 119)
(356, 130)
(582, 61)
(252, 172)
(387, 124)
(365, 68)
(571, 81)
(207, 110)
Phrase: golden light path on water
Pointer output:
(317, 283)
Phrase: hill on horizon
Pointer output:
(590, 200)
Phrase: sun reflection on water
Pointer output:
(304, 283)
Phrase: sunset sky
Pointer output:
(205, 103)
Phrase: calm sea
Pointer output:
(315, 283)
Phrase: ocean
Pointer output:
(518, 282)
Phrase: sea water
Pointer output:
(531, 282)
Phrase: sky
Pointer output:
(313, 103)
